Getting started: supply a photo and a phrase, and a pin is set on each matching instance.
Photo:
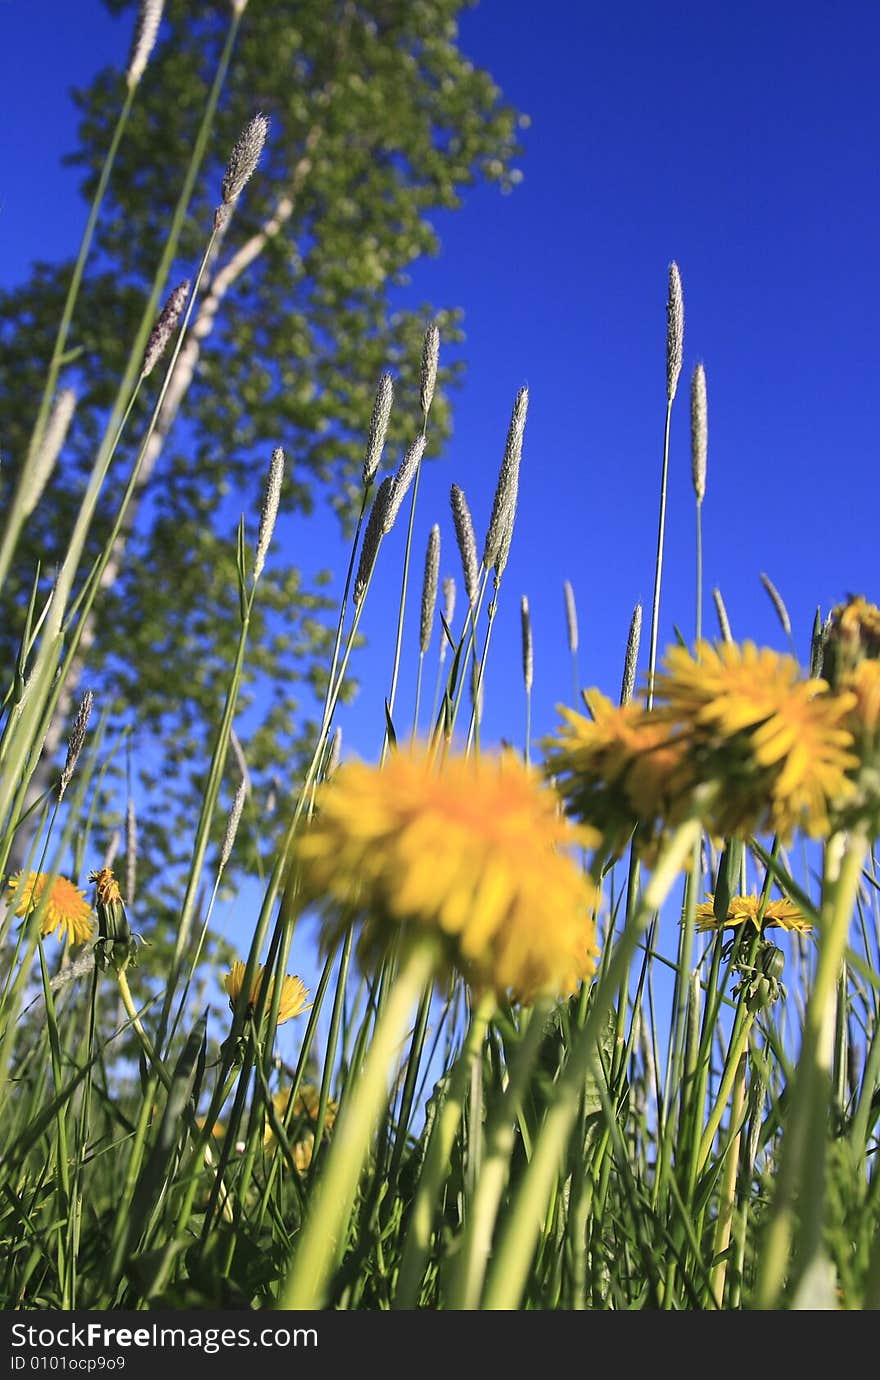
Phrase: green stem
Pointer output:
(322, 1238)
(435, 1169)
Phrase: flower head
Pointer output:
(777, 743)
(67, 912)
(744, 910)
(294, 994)
(618, 768)
(852, 636)
(472, 852)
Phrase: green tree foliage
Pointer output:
(377, 119)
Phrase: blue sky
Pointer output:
(739, 141)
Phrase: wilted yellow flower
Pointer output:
(473, 851)
(67, 914)
(852, 636)
(744, 909)
(294, 994)
(620, 767)
(777, 743)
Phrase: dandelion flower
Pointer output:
(67, 913)
(777, 743)
(294, 994)
(474, 852)
(745, 909)
(620, 767)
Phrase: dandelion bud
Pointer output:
(53, 438)
(631, 660)
(430, 356)
(164, 328)
(674, 331)
(378, 427)
(527, 649)
(500, 531)
(375, 530)
(75, 741)
(149, 19)
(699, 432)
(402, 480)
(467, 542)
(429, 588)
(270, 509)
(777, 602)
(571, 618)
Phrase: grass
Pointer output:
(642, 1129)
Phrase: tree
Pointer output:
(376, 119)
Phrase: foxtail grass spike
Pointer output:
(817, 645)
(430, 357)
(241, 761)
(233, 822)
(723, 621)
(467, 542)
(402, 480)
(333, 753)
(270, 509)
(699, 432)
(378, 427)
(149, 19)
(448, 612)
(373, 534)
(131, 850)
(477, 696)
(528, 657)
(112, 850)
(164, 328)
(674, 331)
(571, 618)
(429, 588)
(500, 531)
(241, 166)
(76, 740)
(631, 660)
(51, 444)
(778, 603)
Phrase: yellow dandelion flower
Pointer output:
(475, 851)
(67, 913)
(620, 767)
(294, 994)
(777, 742)
(743, 910)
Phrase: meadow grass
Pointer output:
(505, 1094)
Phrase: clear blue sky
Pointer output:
(739, 140)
